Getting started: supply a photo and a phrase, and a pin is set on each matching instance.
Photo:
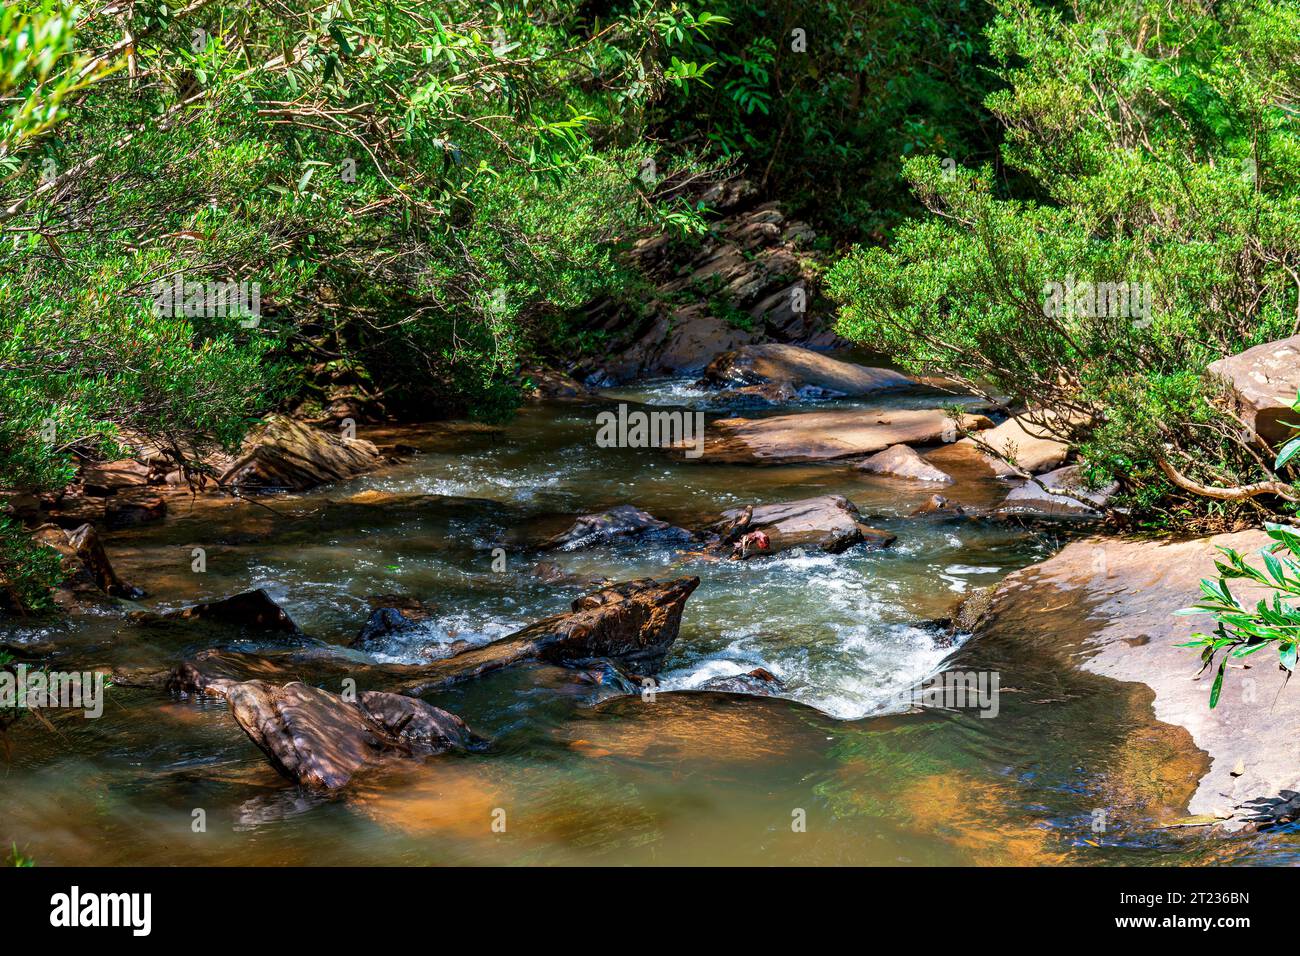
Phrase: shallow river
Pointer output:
(684, 778)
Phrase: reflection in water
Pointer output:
(683, 778)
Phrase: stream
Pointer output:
(685, 778)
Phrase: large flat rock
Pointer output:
(1113, 601)
(818, 436)
(800, 369)
(1264, 381)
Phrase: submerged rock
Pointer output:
(901, 461)
(799, 370)
(252, 609)
(320, 740)
(828, 523)
(818, 436)
(759, 682)
(290, 455)
(632, 623)
(621, 521)
(384, 624)
(938, 504)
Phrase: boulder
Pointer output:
(102, 479)
(384, 624)
(1030, 442)
(756, 683)
(828, 523)
(1113, 604)
(546, 383)
(621, 521)
(678, 342)
(1059, 492)
(287, 454)
(818, 436)
(633, 623)
(318, 739)
(86, 568)
(1264, 381)
(901, 461)
(798, 368)
(90, 550)
(250, 609)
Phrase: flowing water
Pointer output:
(685, 778)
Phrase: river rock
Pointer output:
(88, 573)
(1264, 381)
(938, 505)
(800, 369)
(320, 740)
(1030, 441)
(819, 436)
(384, 624)
(90, 550)
(621, 521)
(130, 508)
(250, 609)
(744, 283)
(102, 479)
(829, 523)
(287, 454)
(1114, 601)
(633, 623)
(1058, 493)
(756, 683)
(901, 461)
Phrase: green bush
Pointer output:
(1162, 148)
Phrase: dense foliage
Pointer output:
(821, 100)
(1162, 138)
(201, 200)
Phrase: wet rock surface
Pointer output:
(252, 609)
(290, 455)
(1060, 492)
(318, 739)
(759, 682)
(825, 435)
(829, 523)
(633, 623)
(799, 369)
(621, 521)
(1114, 600)
(902, 461)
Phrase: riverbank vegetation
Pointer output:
(1160, 141)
